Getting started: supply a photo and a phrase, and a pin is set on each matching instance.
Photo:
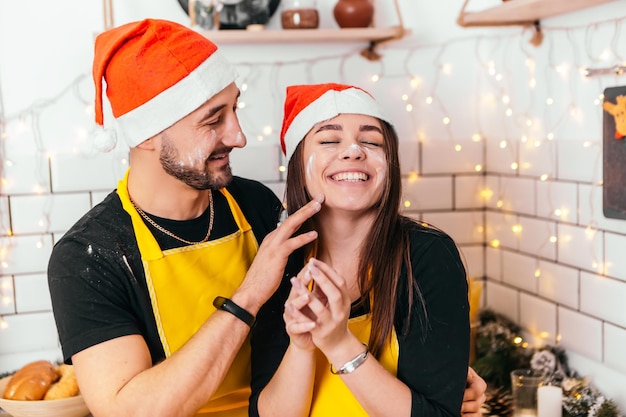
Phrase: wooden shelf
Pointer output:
(524, 12)
(265, 36)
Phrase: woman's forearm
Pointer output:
(289, 392)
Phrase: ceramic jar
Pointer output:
(299, 14)
(353, 13)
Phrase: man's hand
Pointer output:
(268, 266)
(474, 396)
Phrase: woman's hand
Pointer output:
(298, 319)
(329, 306)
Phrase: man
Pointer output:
(155, 289)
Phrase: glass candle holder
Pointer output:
(524, 389)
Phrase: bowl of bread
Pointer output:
(42, 389)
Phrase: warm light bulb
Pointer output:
(514, 166)
(267, 130)
(244, 86)
(429, 100)
(495, 243)
(537, 272)
(509, 112)
(413, 176)
(446, 69)
(409, 107)
(502, 144)
(405, 97)
(446, 120)
(407, 204)
(543, 177)
(532, 83)
(241, 105)
(282, 168)
(553, 239)
(506, 99)
(486, 194)
(550, 136)
(517, 228)
(458, 148)
(478, 168)
(415, 82)
(557, 212)
(375, 78)
(260, 138)
(549, 101)
(499, 77)
(476, 137)
(500, 203)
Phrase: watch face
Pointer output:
(230, 14)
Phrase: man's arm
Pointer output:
(116, 377)
(474, 396)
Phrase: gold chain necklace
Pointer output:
(167, 232)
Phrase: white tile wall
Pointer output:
(504, 300)
(47, 213)
(518, 194)
(557, 201)
(500, 230)
(28, 332)
(7, 300)
(463, 227)
(427, 193)
(100, 171)
(537, 158)
(559, 284)
(603, 298)
(519, 270)
(491, 195)
(257, 162)
(580, 333)
(493, 263)
(579, 161)
(441, 156)
(409, 155)
(614, 254)
(473, 256)
(4, 215)
(580, 247)
(538, 317)
(468, 191)
(590, 208)
(26, 254)
(614, 347)
(26, 174)
(32, 293)
(535, 235)
(501, 155)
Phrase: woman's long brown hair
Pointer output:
(385, 248)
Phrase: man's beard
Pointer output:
(197, 179)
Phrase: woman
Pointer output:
(376, 323)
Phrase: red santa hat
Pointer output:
(156, 73)
(306, 105)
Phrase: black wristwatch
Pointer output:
(226, 304)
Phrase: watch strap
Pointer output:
(226, 304)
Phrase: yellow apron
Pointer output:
(183, 282)
(331, 397)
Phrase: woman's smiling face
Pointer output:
(344, 159)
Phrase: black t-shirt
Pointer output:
(433, 353)
(96, 277)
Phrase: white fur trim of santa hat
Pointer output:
(304, 108)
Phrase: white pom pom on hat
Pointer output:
(308, 104)
(156, 73)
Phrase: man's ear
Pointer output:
(148, 144)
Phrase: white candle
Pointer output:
(549, 400)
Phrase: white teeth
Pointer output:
(350, 176)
